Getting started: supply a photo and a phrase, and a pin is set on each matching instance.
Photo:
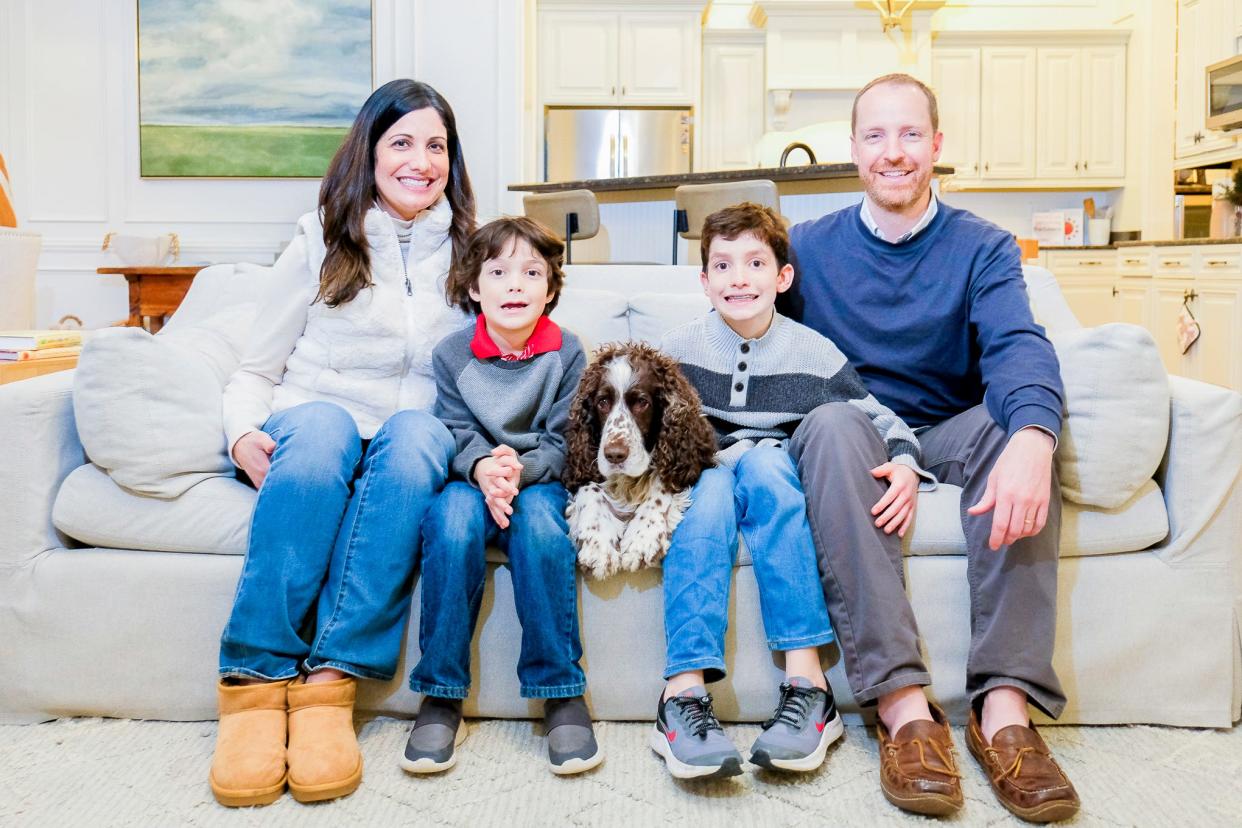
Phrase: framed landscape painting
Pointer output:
(243, 89)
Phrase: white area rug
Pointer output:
(103, 772)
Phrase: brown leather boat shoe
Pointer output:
(1024, 776)
(918, 772)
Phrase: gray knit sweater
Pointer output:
(758, 390)
(522, 404)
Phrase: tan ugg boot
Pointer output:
(324, 759)
(249, 764)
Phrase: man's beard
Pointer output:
(896, 201)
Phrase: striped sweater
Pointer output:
(756, 391)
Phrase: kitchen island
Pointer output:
(792, 180)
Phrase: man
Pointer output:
(929, 305)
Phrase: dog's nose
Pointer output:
(615, 453)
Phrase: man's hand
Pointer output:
(896, 507)
(498, 477)
(1018, 488)
(253, 454)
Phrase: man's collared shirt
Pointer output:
(869, 221)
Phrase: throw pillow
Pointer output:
(148, 408)
(1117, 413)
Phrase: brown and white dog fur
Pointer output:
(637, 442)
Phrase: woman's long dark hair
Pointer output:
(348, 188)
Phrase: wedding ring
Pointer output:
(1028, 522)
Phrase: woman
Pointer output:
(328, 416)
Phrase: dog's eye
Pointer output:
(639, 404)
(603, 405)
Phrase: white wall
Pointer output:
(69, 131)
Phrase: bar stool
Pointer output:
(576, 212)
(695, 202)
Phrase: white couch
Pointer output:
(125, 620)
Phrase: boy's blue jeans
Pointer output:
(333, 543)
(542, 562)
(763, 498)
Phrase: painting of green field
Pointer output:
(238, 151)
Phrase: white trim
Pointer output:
(1080, 37)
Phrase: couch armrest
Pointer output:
(38, 449)
(1201, 477)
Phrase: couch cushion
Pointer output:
(211, 517)
(596, 316)
(654, 314)
(1137, 524)
(1117, 421)
(148, 408)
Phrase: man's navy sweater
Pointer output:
(931, 323)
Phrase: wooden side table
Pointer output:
(14, 371)
(154, 292)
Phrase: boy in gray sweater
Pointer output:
(758, 375)
(504, 389)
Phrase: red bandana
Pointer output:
(544, 338)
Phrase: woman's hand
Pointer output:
(253, 454)
(896, 508)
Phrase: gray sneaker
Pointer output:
(690, 739)
(571, 741)
(438, 730)
(797, 736)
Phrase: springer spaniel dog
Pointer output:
(637, 441)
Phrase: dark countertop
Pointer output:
(805, 172)
(1080, 247)
(1179, 242)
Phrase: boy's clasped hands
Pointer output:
(498, 477)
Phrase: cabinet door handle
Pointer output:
(1084, 166)
(1115, 291)
(986, 166)
(1092, 263)
(623, 89)
(1075, 166)
(612, 156)
(612, 91)
(1189, 296)
(1132, 261)
(1216, 262)
(1174, 263)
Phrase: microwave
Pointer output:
(1224, 94)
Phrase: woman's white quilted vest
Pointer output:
(372, 356)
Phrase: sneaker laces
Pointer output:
(794, 706)
(698, 713)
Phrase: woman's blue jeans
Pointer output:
(333, 544)
(541, 561)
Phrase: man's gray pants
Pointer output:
(1013, 591)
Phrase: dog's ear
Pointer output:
(582, 433)
(687, 443)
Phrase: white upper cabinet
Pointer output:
(1033, 111)
(1206, 32)
(1104, 112)
(955, 80)
(578, 57)
(1059, 148)
(1008, 110)
(1082, 112)
(618, 57)
(658, 56)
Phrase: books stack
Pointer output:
(20, 346)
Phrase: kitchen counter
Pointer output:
(806, 178)
(1179, 242)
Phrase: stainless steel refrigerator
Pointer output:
(590, 143)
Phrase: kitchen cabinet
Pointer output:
(609, 56)
(1007, 133)
(1021, 110)
(733, 105)
(1205, 35)
(1149, 286)
(956, 80)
